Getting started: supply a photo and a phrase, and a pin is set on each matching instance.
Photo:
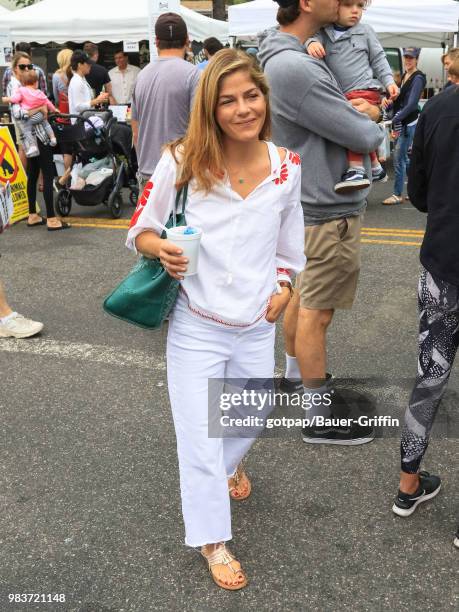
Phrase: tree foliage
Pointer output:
(219, 9)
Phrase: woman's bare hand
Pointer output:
(170, 255)
(277, 305)
(102, 98)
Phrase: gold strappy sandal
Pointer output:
(222, 556)
(239, 485)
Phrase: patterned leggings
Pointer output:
(438, 342)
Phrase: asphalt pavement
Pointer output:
(89, 491)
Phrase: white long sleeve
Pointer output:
(291, 232)
(79, 94)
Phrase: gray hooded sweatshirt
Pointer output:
(312, 118)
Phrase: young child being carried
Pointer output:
(29, 97)
(355, 56)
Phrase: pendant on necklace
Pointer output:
(241, 181)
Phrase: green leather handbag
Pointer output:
(147, 294)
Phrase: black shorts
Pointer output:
(66, 148)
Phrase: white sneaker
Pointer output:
(20, 327)
(32, 152)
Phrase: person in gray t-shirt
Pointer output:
(163, 95)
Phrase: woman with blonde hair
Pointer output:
(61, 100)
(244, 194)
(61, 76)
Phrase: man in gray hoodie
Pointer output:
(312, 117)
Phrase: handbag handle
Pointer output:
(181, 193)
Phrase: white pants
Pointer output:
(199, 350)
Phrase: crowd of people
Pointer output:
(78, 84)
(278, 156)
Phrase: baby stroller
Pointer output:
(121, 139)
(91, 140)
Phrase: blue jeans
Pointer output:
(401, 160)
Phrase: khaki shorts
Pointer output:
(142, 180)
(330, 277)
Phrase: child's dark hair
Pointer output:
(30, 77)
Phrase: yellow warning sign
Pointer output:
(12, 170)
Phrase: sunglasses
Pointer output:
(26, 66)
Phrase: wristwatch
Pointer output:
(281, 284)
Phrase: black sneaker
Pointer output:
(379, 175)
(289, 385)
(353, 178)
(405, 504)
(334, 433)
(456, 539)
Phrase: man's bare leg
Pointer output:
(292, 379)
(311, 353)
(310, 344)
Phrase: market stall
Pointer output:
(60, 21)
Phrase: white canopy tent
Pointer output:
(97, 20)
(420, 23)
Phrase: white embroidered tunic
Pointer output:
(244, 240)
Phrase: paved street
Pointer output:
(89, 491)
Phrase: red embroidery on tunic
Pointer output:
(211, 317)
(141, 203)
(283, 271)
(283, 175)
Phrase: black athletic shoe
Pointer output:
(379, 176)
(352, 179)
(456, 539)
(405, 504)
(335, 433)
(288, 385)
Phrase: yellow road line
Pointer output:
(98, 221)
(98, 226)
(382, 235)
(366, 241)
(392, 229)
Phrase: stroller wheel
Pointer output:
(134, 196)
(115, 204)
(64, 202)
